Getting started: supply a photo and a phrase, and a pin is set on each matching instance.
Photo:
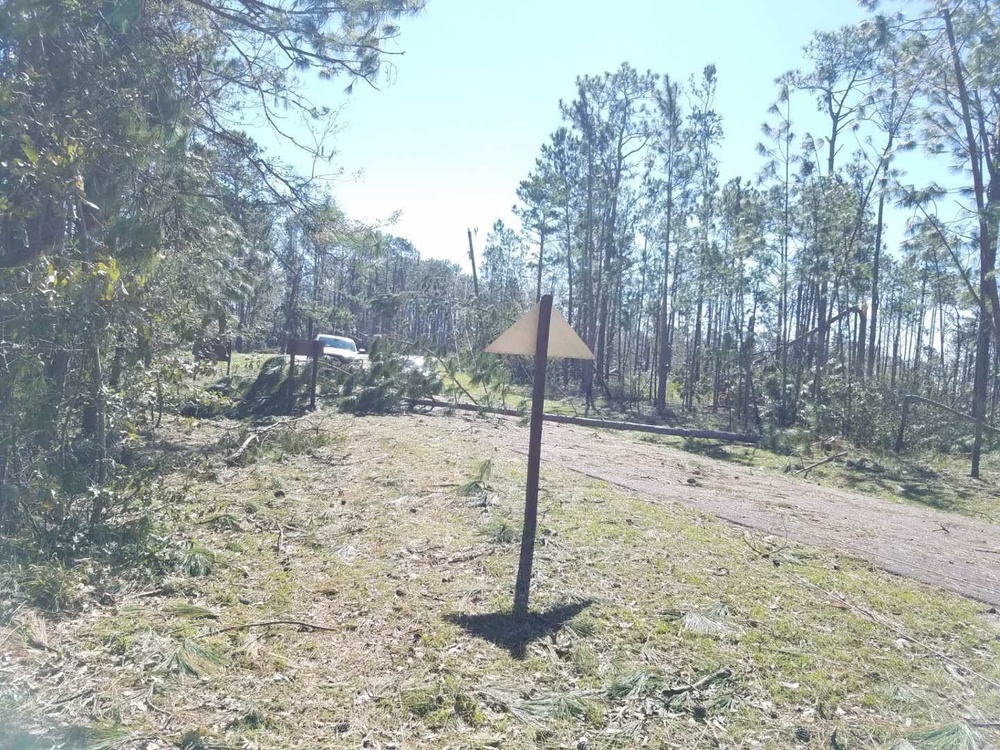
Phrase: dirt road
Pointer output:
(955, 552)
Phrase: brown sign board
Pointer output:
(520, 338)
(304, 348)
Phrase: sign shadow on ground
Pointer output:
(515, 633)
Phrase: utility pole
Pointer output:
(472, 259)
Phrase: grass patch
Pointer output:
(360, 598)
(948, 737)
(192, 658)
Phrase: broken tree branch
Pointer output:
(270, 623)
(257, 437)
(907, 400)
(698, 685)
(601, 423)
(806, 469)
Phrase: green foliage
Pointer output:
(634, 685)
(480, 483)
(136, 218)
(386, 383)
(468, 710)
(75, 518)
(192, 658)
(790, 442)
(958, 736)
(191, 611)
(52, 587)
(478, 376)
(218, 399)
(256, 718)
(195, 560)
(559, 706)
(436, 706)
(268, 394)
(422, 703)
(503, 531)
(98, 737)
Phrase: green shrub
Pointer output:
(387, 383)
(52, 586)
(269, 392)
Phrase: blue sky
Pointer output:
(476, 93)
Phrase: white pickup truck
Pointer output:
(343, 350)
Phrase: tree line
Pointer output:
(137, 216)
(775, 294)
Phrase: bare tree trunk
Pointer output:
(663, 363)
(694, 364)
(875, 301)
(541, 260)
(918, 344)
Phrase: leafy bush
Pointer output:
(52, 587)
(386, 383)
(268, 394)
(218, 399)
(384, 386)
(75, 545)
(790, 442)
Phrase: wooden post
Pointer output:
(291, 382)
(316, 354)
(530, 335)
(523, 584)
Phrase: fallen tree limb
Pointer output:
(257, 436)
(600, 423)
(235, 458)
(806, 469)
(703, 682)
(270, 623)
(910, 399)
(448, 371)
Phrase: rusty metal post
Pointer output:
(523, 583)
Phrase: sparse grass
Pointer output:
(51, 586)
(196, 560)
(192, 658)
(662, 627)
(956, 736)
(503, 531)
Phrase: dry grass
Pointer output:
(925, 479)
(660, 626)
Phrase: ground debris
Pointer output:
(641, 640)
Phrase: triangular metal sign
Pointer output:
(520, 338)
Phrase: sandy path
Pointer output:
(947, 550)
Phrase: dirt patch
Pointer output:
(956, 553)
